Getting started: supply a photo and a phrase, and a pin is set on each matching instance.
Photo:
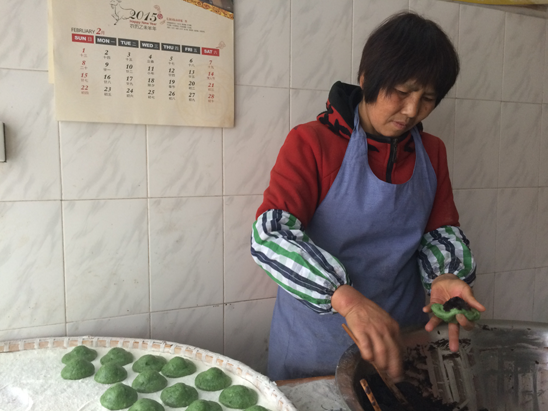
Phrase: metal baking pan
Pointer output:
(500, 365)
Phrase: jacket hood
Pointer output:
(340, 106)
(341, 103)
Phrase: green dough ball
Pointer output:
(256, 408)
(203, 405)
(239, 397)
(118, 397)
(77, 369)
(111, 373)
(146, 404)
(117, 355)
(149, 362)
(213, 379)
(79, 352)
(178, 367)
(179, 395)
(450, 316)
(149, 381)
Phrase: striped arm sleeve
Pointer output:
(445, 250)
(281, 248)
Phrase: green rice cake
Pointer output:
(118, 397)
(117, 355)
(146, 404)
(213, 379)
(179, 395)
(203, 405)
(149, 381)
(111, 373)
(239, 397)
(149, 362)
(80, 351)
(77, 369)
(178, 367)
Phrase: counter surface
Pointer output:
(313, 394)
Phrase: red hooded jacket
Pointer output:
(313, 152)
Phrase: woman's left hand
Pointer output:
(445, 287)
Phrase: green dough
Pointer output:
(111, 373)
(239, 397)
(146, 404)
(79, 352)
(149, 362)
(118, 397)
(117, 355)
(450, 316)
(149, 381)
(178, 367)
(213, 379)
(179, 395)
(256, 408)
(203, 405)
(77, 369)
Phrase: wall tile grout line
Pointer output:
(160, 311)
(63, 239)
(149, 242)
(223, 222)
(290, 44)
(352, 38)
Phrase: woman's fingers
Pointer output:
(394, 366)
(428, 308)
(433, 323)
(366, 348)
(444, 288)
(464, 322)
(376, 333)
(381, 346)
(468, 296)
(472, 302)
(380, 351)
(453, 330)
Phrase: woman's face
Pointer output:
(398, 112)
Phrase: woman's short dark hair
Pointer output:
(408, 47)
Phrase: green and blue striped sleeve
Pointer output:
(445, 250)
(280, 246)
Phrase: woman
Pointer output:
(359, 217)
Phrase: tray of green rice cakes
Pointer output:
(106, 373)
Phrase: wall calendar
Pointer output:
(165, 62)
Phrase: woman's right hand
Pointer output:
(377, 333)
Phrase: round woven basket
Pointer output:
(266, 387)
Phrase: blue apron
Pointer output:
(374, 228)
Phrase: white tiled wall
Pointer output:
(321, 43)
(103, 161)
(143, 231)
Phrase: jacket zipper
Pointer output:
(391, 159)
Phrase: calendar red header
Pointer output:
(82, 38)
(210, 52)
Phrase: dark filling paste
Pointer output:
(419, 393)
(388, 402)
(455, 302)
